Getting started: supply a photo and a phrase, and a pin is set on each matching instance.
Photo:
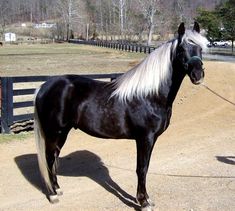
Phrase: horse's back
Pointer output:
(64, 86)
(85, 87)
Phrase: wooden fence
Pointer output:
(8, 92)
(115, 45)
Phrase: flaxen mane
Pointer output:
(154, 72)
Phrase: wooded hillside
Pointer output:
(103, 17)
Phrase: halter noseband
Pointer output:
(194, 58)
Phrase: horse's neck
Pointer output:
(177, 78)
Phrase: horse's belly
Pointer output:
(102, 124)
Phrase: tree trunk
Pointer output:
(121, 8)
(101, 17)
(87, 32)
(232, 45)
(150, 33)
(67, 32)
(151, 27)
(69, 19)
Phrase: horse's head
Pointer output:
(189, 52)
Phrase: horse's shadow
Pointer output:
(226, 159)
(77, 164)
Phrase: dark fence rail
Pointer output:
(8, 104)
(116, 45)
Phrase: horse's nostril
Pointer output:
(202, 74)
(193, 75)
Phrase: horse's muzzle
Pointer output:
(197, 76)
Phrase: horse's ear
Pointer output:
(196, 27)
(181, 29)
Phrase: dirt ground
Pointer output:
(192, 167)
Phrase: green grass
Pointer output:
(15, 137)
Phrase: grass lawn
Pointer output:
(53, 59)
(15, 137)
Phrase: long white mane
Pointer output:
(154, 72)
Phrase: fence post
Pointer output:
(133, 48)
(7, 104)
(136, 48)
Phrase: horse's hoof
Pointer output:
(147, 208)
(152, 204)
(53, 199)
(59, 192)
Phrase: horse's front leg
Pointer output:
(144, 151)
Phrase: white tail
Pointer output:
(41, 147)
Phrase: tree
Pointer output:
(178, 14)
(69, 11)
(4, 10)
(120, 6)
(219, 23)
(211, 23)
(105, 17)
(149, 9)
(227, 15)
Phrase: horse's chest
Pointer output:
(159, 120)
(167, 118)
(153, 119)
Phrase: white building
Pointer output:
(44, 25)
(10, 37)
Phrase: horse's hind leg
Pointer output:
(53, 114)
(51, 159)
(53, 148)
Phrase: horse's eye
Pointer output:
(191, 42)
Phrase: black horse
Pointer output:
(138, 105)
